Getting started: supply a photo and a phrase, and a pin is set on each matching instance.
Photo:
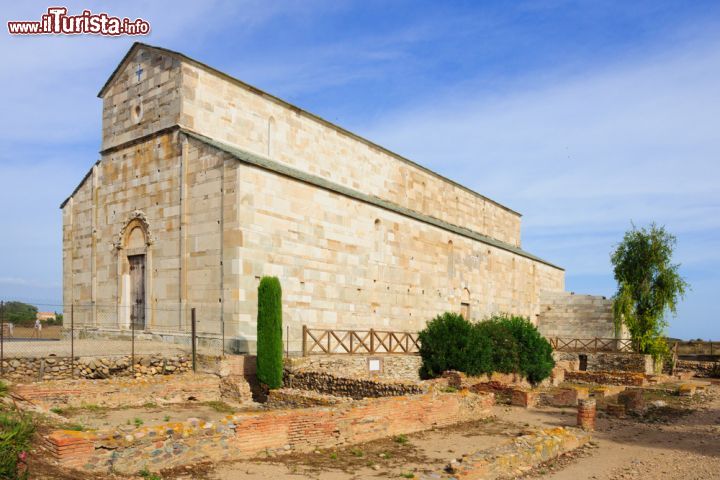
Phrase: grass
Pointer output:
(77, 427)
(166, 418)
(3, 388)
(148, 475)
(220, 406)
(357, 452)
(333, 456)
(138, 421)
(16, 432)
(401, 439)
(57, 410)
(407, 475)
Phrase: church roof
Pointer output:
(282, 169)
(295, 108)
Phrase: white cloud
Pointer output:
(582, 157)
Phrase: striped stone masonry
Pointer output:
(567, 315)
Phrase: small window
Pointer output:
(465, 310)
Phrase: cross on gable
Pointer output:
(139, 72)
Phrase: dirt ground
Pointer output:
(671, 445)
(678, 441)
(148, 415)
(49, 332)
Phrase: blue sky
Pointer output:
(584, 116)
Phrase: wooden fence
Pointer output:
(357, 342)
(591, 345)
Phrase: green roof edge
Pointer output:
(270, 165)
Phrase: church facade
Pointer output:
(205, 184)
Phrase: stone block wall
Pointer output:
(394, 367)
(607, 378)
(54, 368)
(567, 315)
(291, 398)
(357, 388)
(701, 369)
(247, 435)
(610, 361)
(237, 114)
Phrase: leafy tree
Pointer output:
(269, 333)
(19, 313)
(649, 286)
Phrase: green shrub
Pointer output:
(535, 352)
(269, 333)
(449, 342)
(505, 344)
(15, 435)
(504, 349)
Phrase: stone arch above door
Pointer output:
(130, 232)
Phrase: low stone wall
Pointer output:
(55, 368)
(236, 388)
(356, 388)
(563, 397)
(607, 378)
(460, 380)
(610, 361)
(519, 455)
(701, 369)
(292, 398)
(118, 392)
(250, 434)
(394, 367)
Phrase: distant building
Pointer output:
(45, 316)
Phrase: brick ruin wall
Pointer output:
(119, 392)
(250, 434)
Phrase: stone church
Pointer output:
(205, 184)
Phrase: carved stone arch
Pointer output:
(137, 220)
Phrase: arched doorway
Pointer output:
(136, 263)
(133, 267)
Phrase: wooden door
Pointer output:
(137, 291)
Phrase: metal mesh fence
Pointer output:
(83, 330)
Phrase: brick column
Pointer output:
(586, 414)
(70, 448)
